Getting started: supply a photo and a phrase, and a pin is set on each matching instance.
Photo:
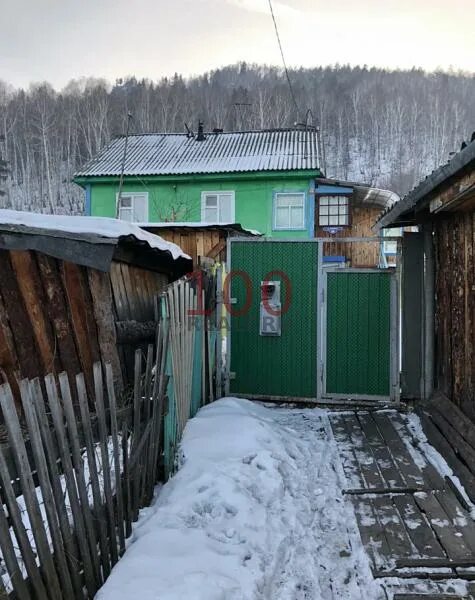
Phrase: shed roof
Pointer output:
(398, 212)
(226, 152)
(40, 231)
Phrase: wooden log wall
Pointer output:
(455, 308)
(358, 254)
(58, 316)
(205, 242)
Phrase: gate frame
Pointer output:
(343, 399)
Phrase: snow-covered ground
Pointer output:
(255, 512)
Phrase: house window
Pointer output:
(390, 247)
(217, 207)
(133, 207)
(333, 211)
(289, 210)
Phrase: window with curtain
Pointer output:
(289, 210)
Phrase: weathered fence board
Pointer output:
(82, 460)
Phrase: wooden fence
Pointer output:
(77, 468)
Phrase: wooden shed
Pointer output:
(200, 240)
(74, 290)
(439, 282)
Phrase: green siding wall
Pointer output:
(358, 333)
(253, 198)
(285, 365)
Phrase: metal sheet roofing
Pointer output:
(182, 154)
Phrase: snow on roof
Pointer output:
(228, 152)
(111, 229)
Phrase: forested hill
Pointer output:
(385, 128)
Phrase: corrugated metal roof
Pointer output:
(181, 154)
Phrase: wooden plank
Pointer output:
(104, 449)
(450, 536)
(147, 413)
(130, 292)
(346, 451)
(136, 431)
(458, 516)
(78, 463)
(125, 431)
(411, 473)
(102, 301)
(440, 443)
(387, 466)
(9, 366)
(115, 445)
(69, 477)
(118, 290)
(433, 478)
(31, 289)
(458, 443)
(418, 530)
(11, 561)
(46, 488)
(372, 534)
(83, 324)
(29, 491)
(99, 508)
(394, 529)
(57, 308)
(52, 457)
(453, 415)
(28, 556)
(25, 344)
(364, 455)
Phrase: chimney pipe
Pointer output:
(201, 136)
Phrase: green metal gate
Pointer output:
(338, 338)
(283, 365)
(358, 340)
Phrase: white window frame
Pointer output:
(133, 195)
(277, 227)
(338, 214)
(218, 194)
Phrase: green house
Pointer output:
(264, 180)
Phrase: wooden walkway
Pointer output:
(413, 522)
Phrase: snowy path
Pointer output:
(255, 512)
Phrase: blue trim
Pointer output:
(331, 190)
(87, 203)
(334, 259)
(305, 209)
(311, 206)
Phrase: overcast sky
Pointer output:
(57, 40)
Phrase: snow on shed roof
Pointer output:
(100, 227)
(227, 152)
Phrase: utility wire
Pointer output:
(283, 59)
